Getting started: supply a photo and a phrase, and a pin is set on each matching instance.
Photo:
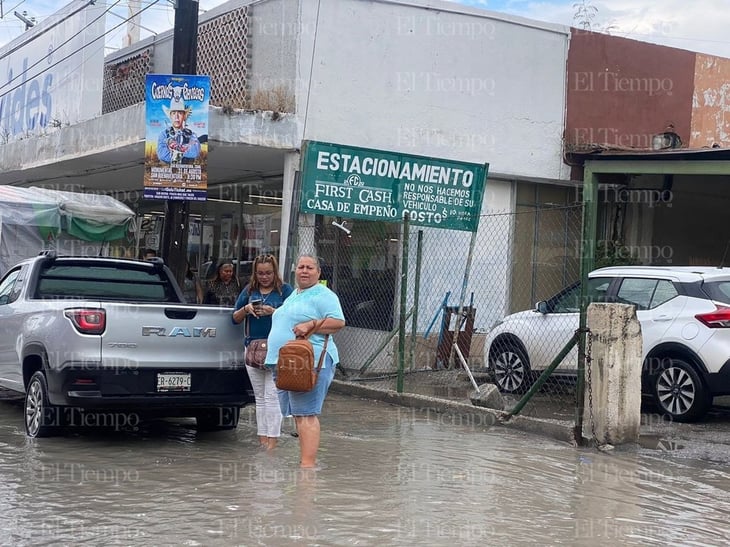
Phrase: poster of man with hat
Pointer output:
(176, 147)
(177, 143)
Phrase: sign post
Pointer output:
(184, 61)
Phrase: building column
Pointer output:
(289, 205)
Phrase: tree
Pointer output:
(584, 14)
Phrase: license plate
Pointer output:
(173, 381)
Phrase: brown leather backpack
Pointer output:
(295, 367)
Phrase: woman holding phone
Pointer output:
(265, 292)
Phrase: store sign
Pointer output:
(51, 76)
(363, 183)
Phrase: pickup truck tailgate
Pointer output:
(163, 336)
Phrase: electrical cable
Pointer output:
(52, 26)
(5, 93)
(16, 6)
(39, 61)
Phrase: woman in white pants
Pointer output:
(265, 292)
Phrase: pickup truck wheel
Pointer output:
(42, 419)
(218, 419)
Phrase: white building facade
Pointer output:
(420, 77)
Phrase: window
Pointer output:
(569, 301)
(6, 287)
(362, 270)
(646, 294)
(718, 290)
(79, 280)
(664, 292)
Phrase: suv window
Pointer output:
(569, 301)
(718, 290)
(664, 292)
(646, 294)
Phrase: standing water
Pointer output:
(388, 476)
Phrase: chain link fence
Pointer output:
(486, 285)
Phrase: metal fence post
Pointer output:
(588, 251)
(416, 291)
(403, 311)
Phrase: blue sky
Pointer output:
(697, 25)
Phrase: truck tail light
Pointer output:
(718, 319)
(87, 320)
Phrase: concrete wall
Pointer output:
(52, 73)
(711, 102)
(430, 81)
(274, 30)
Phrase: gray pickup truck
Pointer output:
(84, 338)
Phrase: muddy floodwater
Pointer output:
(388, 476)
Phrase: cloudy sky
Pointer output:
(697, 25)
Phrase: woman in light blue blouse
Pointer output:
(310, 305)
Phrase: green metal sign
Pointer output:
(363, 183)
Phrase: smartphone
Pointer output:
(256, 303)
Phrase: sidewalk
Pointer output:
(706, 440)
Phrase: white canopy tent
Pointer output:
(35, 219)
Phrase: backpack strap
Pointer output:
(316, 325)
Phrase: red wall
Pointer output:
(621, 92)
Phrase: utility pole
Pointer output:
(174, 248)
(29, 21)
(135, 17)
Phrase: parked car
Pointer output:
(684, 314)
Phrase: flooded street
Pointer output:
(388, 476)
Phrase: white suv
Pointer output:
(685, 325)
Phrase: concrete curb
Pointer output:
(473, 414)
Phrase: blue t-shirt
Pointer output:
(259, 327)
(317, 302)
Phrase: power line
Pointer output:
(14, 7)
(10, 26)
(39, 61)
(76, 50)
(43, 31)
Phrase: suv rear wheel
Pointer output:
(679, 392)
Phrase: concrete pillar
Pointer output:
(615, 374)
(289, 202)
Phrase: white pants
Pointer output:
(268, 414)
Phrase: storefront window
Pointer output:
(237, 222)
(361, 268)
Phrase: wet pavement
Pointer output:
(388, 475)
